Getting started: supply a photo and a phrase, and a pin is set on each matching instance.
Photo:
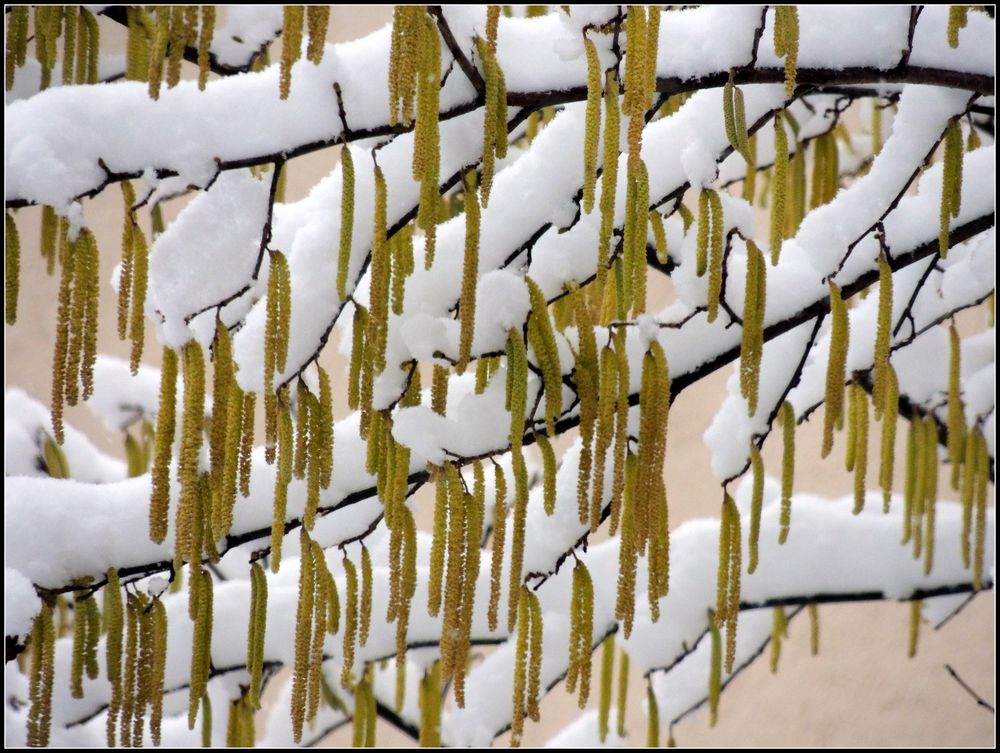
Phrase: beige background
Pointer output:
(861, 690)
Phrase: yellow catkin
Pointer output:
(499, 534)
(206, 721)
(114, 619)
(968, 490)
(548, 473)
(520, 667)
(860, 446)
(470, 273)
(49, 232)
(714, 674)
(439, 541)
(454, 572)
(609, 176)
(733, 583)
(535, 662)
(158, 619)
(836, 367)
(813, 610)
(125, 280)
(321, 593)
(883, 336)
(704, 223)
(176, 42)
(359, 325)
(592, 126)
(426, 150)
(786, 42)
(137, 297)
(628, 551)
(42, 674)
(584, 631)
(958, 16)
(255, 632)
(192, 421)
(930, 492)
(366, 596)
(517, 536)
(779, 182)
(246, 442)
(787, 418)
(654, 402)
(158, 51)
(951, 190)
(750, 179)
(982, 480)
(543, 342)
(910, 482)
(375, 334)
(303, 634)
(607, 675)
(350, 624)
(79, 645)
(911, 646)
(653, 717)
(956, 410)
(201, 653)
(754, 307)
(291, 46)
(890, 414)
(346, 220)
(621, 418)
(162, 447)
(282, 477)
(318, 18)
(205, 33)
(607, 397)
(756, 504)
(623, 683)
(779, 629)
(852, 428)
(12, 267)
(60, 370)
(17, 43)
(430, 707)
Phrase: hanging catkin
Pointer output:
(951, 189)
(836, 367)
(786, 42)
(12, 267)
(291, 45)
(162, 447)
(787, 418)
(346, 220)
(754, 306)
(779, 181)
(470, 273)
(883, 336)
(592, 126)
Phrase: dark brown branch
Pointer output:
(471, 72)
(965, 686)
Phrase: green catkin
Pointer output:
(910, 482)
(346, 220)
(205, 33)
(282, 477)
(756, 505)
(836, 367)
(787, 418)
(861, 446)
(622, 410)
(714, 673)
(548, 473)
(779, 186)
(206, 721)
(704, 222)
(779, 628)
(291, 46)
(350, 624)
(470, 273)
(958, 16)
(581, 633)
(888, 447)
(79, 645)
(852, 427)
(956, 410)
(754, 307)
(659, 237)
(375, 335)
(750, 179)
(592, 127)
(813, 610)
(911, 646)
(60, 373)
(653, 716)
(628, 551)
(439, 389)
(607, 675)
(499, 534)
(140, 282)
(162, 444)
(609, 176)
(951, 190)
(883, 336)
(300, 458)
(318, 19)
(454, 573)
(517, 536)
(176, 42)
(192, 420)
(636, 244)
(12, 267)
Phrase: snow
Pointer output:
(20, 604)
(121, 398)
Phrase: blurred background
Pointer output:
(861, 690)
